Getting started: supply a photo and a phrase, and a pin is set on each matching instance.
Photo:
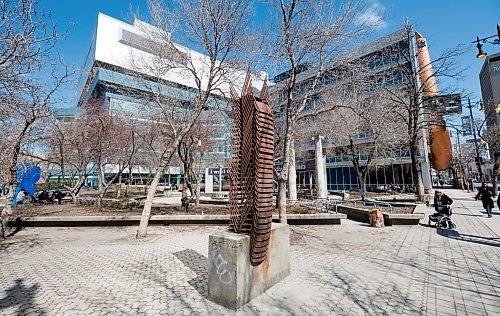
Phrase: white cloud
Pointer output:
(372, 16)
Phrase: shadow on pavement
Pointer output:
(14, 227)
(482, 240)
(473, 215)
(198, 264)
(21, 296)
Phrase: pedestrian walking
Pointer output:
(486, 197)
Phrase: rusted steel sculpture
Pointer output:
(440, 136)
(251, 170)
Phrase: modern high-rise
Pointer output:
(489, 78)
(126, 66)
(382, 58)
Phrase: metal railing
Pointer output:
(375, 204)
(323, 205)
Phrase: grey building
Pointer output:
(489, 77)
(382, 57)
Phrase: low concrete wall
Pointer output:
(312, 219)
(362, 215)
(403, 219)
(354, 213)
(132, 220)
(232, 280)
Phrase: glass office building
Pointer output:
(379, 57)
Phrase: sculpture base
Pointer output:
(232, 280)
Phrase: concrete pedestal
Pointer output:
(232, 280)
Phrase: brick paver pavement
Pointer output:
(351, 269)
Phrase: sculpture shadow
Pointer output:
(482, 240)
(198, 264)
(22, 296)
(14, 227)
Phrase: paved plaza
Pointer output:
(350, 269)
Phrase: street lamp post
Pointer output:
(479, 42)
(478, 160)
(460, 162)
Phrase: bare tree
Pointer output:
(201, 139)
(112, 143)
(406, 95)
(213, 27)
(305, 34)
(362, 132)
(30, 75)
(69, 148)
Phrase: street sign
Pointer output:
(447, 104)
(215, 171)
(466, 126)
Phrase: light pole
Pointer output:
(478, 160)
(460, 165)
(481, 54)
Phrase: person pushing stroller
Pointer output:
(442, 206)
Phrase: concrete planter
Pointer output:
(355, 213)
(390, 219)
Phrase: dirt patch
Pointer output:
(88, 210)
(395, 209)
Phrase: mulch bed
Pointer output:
(31, 210)
(395, 210)
(87, 210)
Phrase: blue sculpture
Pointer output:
(27, 174)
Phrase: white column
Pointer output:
(320, 169)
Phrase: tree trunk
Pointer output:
(282, 200)
(292, 177)
(198, 190)
(127, 188)
(417, 175)
(63, 171)
(283, 179)
(143, 226)
(320, 169)
(184, 198)
(100, 186)
(74, 198)
(119, 191)
(7, 210)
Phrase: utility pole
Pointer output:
(460, 165)
(478, 160)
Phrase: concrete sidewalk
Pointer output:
(465, 201)
(352, 269)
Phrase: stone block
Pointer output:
(232, 280)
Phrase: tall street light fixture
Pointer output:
(479, 42)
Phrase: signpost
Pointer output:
(447, 104)
(466, 126)
(217, 171)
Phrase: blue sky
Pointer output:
(445, 24)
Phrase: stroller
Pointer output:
(442, 219)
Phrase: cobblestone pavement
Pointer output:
(351, 269)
